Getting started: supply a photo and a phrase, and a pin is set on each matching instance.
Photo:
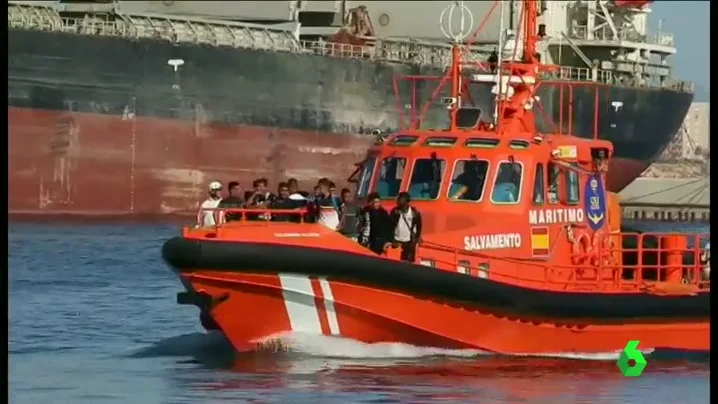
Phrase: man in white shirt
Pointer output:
(207, 217)
(407, 227)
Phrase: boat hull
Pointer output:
(254, 291)
(256, 307)
(90, 114)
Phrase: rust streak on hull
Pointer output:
(89, 167)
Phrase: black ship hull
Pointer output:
(113, 114)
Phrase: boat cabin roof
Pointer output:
(436, 166)
(488, 144)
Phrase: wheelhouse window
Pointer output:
(392, 171)
(554, 179)
(507, 186)
(572, 191)
(468, 180)
(539, 185)
(363, 178)
(426, 178)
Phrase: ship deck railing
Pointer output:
(179, 30)
(605, 33)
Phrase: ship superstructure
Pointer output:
(154, 92)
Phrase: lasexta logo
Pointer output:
(631, 354)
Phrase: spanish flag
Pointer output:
(540, 241)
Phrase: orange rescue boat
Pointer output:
(522, 250)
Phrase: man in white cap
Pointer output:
(207, 217)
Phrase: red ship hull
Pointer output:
(106, 165)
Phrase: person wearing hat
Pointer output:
(406, 221)
(206, 214)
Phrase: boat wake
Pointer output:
(296, 344)
(337, 347)
(299, 353)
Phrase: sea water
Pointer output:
(93, 319)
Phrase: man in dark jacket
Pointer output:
(260, 198)
(233, 200)
(376, 225)
(284, 202)
(406, 226)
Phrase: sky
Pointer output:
(689, 22)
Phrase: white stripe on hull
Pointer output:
(329, 306)
(302, 311)
(299, 302)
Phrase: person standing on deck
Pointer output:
(233, 200)
(376, 225)
(350, 215)
(327, 205)
(493, 60)
(205, 215)
(406, 221)
(294, 190)
(283, 201)
(260, 198)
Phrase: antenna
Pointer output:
(447, 18)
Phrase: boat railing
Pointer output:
(660, 263)
(222, 216)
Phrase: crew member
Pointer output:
(508, 182)
(406, 223)
(205, 216)
(469, 185)
(493, 60)
(233, 200)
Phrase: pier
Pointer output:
(667, 199)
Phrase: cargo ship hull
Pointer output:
(90, 117)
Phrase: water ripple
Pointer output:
(92, 318)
